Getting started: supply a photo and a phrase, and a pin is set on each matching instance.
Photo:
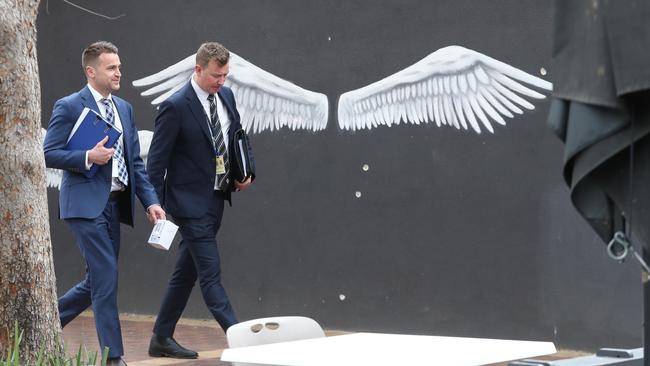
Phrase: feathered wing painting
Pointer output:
(52, 176)
(264, 101)
(454, 86)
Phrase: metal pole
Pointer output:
(646, 308)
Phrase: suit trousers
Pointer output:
(98, 240)
(198, 257)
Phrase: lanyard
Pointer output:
(214, 143)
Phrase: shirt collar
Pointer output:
(98, 97)
(200, 93)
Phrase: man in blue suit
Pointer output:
(94, 207)
(192, 144)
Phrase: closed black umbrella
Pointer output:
(601, 111)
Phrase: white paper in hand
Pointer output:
(162, 234)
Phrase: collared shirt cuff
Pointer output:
(88, 164)
(150, 206)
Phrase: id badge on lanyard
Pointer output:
(221, 167)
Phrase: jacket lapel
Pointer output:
(87, 99)
(231, 114)
(197, 110)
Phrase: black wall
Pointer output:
(454, 233)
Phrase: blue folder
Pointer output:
(90, 129)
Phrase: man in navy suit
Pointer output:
(94, 207)
(192, 144)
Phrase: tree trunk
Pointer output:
(27, 280)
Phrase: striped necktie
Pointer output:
(118, 156)
(223, 181)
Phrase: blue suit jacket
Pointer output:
(182, 148)
(83, 197)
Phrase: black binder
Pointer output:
(243, 165)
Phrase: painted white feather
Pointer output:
(453, 86)
(145, 137)
(53, 177)
(265, 101)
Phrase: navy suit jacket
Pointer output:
(182, 149)
(83, 197)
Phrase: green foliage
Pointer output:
(82, 358)
(13, 354)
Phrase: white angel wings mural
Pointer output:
(452, 86)
(264, 100)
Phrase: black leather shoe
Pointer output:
(117, 361)
(168, 347)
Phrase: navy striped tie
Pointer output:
(118, 156)
(219, 143)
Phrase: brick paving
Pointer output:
(203, 336)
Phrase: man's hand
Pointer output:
(99, 154)
(240, 186)
(154, 213)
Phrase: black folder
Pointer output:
(243, 165)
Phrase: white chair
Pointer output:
(272, 330)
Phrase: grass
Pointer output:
(59, 358)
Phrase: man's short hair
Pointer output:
(92, 52)
(210, 51)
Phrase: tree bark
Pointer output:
(27, 280)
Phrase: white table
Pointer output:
(377, 349)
